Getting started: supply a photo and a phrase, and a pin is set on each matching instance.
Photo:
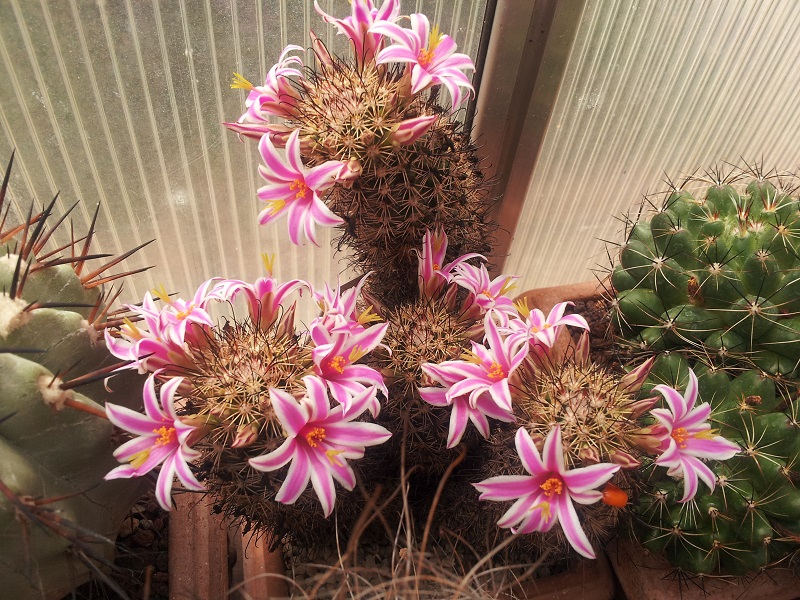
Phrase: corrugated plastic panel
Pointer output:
(654, 89)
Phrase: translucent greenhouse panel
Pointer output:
(122, 103)
(654, 89)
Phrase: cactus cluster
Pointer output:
(58, 518)
(719, 272)
(709, 283)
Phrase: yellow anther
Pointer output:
(552, 486)
(300, 186)
(337, 363)
(315, 436)
(166, 435)
(680, 435)
(496, 372)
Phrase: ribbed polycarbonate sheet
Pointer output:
(121, 103)
(654, 89)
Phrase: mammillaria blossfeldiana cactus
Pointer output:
(245, 396)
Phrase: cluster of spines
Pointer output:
(720, 274)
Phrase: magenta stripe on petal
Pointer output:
(572, 528)
(296, 479)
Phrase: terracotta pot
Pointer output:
(587, 580)
(644, 576)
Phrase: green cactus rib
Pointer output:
(58, 517)
(711, 282)
(720, 273)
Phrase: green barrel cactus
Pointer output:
(710, 283)
(751, 520)
(719, 272)
(58, 517)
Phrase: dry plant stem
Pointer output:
(425, 534)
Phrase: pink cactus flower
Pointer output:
(334, 364)
(409, 131)
(161, 440)
(430, 54)
(178, 315)
(433, 272)
(688, 437)
(340, 313)
(319, 442)
(486, 370)
(357, 26)
(541, 332)
(293, 187)
(462, 409)
(486, 295)
(545, 497)
(277, 97)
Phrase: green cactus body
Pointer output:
(747, 523)
(720, 274)
(54, 455)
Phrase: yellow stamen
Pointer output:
(680, 435)
(522, 307)
(437, 267)
(240, 83)
(161, 292)
(356, 353)
(166, 435)
(300, 186)
(332, 454)
(315, 436)
(471, 357)
(269, 262)
(487, 293)
(185, 313)
(708, 434)
(425, 57)
(545, 506)
(552, 486)
(496, 372)
(337, 363)
(138, 459)
(535, 329)
(368, 316)
(275, 206)
(508, 285)
(132, 330)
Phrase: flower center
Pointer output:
(496, 372)
(315, 436)
(535, 329)
(487, 293)
(680, 435)
(300, 186)
(337, 363)
(166, 435)
(425, 58)
(185, 313)
(437, 267)
(552, 486)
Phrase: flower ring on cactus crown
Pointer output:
(357, 26)
(686, 437)
(162, 439)
(319, 442)
(430, 54)
(462, 410)
(545, 497)
(177, 314)
(293, 188)
(340, 312)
